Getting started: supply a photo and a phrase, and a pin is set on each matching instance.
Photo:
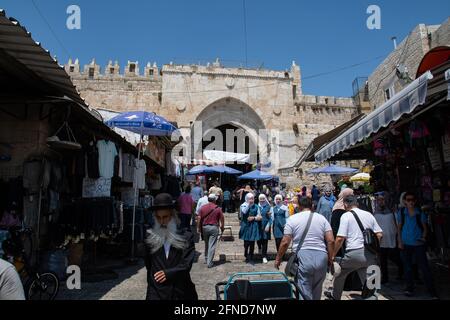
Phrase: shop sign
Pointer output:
(435, 159)
(96, 188)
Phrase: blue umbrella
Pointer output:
(226, 170)
(256, 175)
(200, 170)
(332, 170)
(143, 123)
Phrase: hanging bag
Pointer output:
(292, 264)
(371, 241)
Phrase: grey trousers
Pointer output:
(312, 270)
(210, 235)
(359, 261)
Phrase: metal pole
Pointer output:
(134, 201)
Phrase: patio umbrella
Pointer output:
(226, 170)
(200, 170)
(333, 170)
(256, 175)
(361, 177)
(144, 124)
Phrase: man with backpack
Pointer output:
(413, 230)
(361, 232)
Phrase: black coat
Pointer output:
(177, 267)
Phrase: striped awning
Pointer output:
(404, 102)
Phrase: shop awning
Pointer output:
(40, 68)
(404, 102)
(197, 162)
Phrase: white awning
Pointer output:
(402, 103)
(221, 156)
(197, 162)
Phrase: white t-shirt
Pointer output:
(350, 229)
(107, 152)
(315, 239)
(201, 202)
(10, 284)
(387, 223)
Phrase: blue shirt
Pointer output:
(411, 232)
(197, 193)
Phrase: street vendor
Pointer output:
(170, 254)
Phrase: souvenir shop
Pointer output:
(63, 173)
(410, 151)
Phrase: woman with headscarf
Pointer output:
(326, 203)
(339, 209)
(250, 226)
(266, 224)
(279, 217)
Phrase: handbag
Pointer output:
(291, 269)
(371, 241)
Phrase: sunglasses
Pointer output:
(409, 200)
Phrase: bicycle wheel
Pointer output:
(43, 286)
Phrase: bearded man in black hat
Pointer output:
(170, 254)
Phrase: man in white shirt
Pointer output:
(357, 257)
(10, 284)
(316, 252)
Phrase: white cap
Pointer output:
(212, 197)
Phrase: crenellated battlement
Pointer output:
(112, 70)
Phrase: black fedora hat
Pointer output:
(163, 201)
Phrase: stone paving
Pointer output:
(131, 281)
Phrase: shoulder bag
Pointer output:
(292, 264)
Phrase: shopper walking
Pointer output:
(388, 245)
(10, 284)
(314, 245)
(357, 257)
(413, 230)
(279, 218)
(326, 203)
(226, 201)
(170, 253)
(266, 226)
(211, 220)
(315, 194)
(185, 206)
(250, 226)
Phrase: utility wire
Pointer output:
(50, 28)
(245, 32)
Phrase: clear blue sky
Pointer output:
(321, 35)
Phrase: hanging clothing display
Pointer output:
(107, 153)
(128, 161)
(141, 171)
(92, 162)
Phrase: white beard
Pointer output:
(157, 236)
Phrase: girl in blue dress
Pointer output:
(266, 225)
(279, 217)
(250, 226)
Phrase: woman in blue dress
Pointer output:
(266, 226)
(279, 217)
(250, 226)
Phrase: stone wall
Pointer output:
(251, 99)
(409, 53)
